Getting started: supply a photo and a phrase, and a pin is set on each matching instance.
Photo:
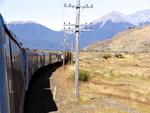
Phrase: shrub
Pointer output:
(119, 56)
(83, 75)
(106, 56)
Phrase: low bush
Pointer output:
(119, 56)
(107, 56)
(83, 75)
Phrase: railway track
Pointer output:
(39, 98)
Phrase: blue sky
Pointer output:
(52, 14)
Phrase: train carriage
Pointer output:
(12, 72)
(41, 59)
(33, 62)
(3, 79)
(17, 66)
(46, 58)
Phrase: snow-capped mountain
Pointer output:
(111, 24)
(139, 17)
(36, 36)
(22, 22)
(105, 28)
(136, 19)
(113, 16)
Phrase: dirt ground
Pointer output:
(116, 85)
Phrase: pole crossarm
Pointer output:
(78, 6)
(79, 30)
(64, 44)
(84, 25)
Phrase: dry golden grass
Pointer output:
(116, 85)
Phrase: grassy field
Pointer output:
(118, 83)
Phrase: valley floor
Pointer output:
(119, 83)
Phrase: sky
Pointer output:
(52, 14)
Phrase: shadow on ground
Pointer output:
(39, 98)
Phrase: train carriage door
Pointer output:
(39, 59)
(37, 63)
(43, 59)
(9, 74)
(50, 58)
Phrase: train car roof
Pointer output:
(10, 33)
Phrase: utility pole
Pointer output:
(77, 33)
(77, 50)
(71, 50)
(64, 53)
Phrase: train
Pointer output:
(17, 66)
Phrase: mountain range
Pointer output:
(36, 36)
(111, 24)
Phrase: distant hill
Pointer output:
(133, 40)
(36, 36)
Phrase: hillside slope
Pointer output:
(133, 40)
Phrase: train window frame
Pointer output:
(8, 52)
(18, 50)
